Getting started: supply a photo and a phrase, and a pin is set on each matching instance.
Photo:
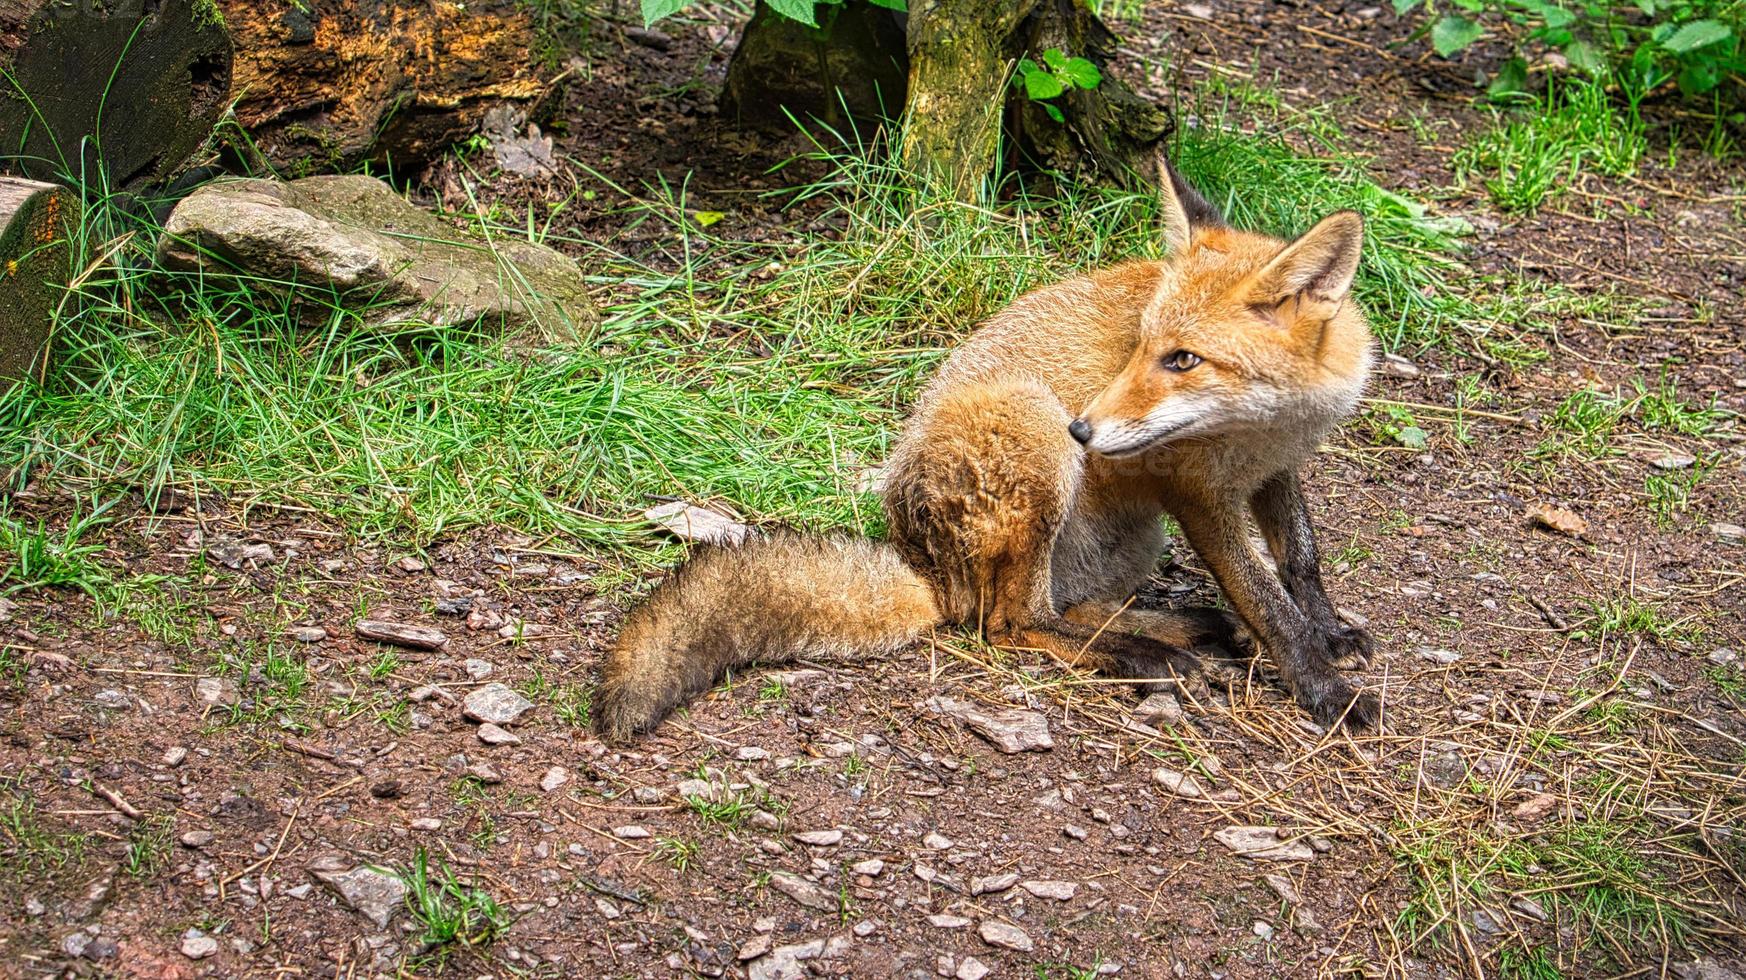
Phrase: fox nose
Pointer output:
(1080, 430)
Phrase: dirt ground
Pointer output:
(1537, 683)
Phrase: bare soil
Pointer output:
(1496, 671)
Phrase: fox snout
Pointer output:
(1080, 430)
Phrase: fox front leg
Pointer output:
(1284, 519)
(1218, 534)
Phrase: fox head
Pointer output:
(1244, 331)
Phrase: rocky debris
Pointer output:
(872, 867)
(236, 555)
(1445, 770)
(751, 753)
(1673, 461)
(1263, 844)
(217, 691)
(370, 891)
(784, 962)
(1010, 730)
(484, 772)
(937, 842)
(810, 894)
(1283, 887)
(493, 735)
(997, 933)
(401, 634)
(308, 634)
(494, 704)
(1534, 807)
(1181, 784)
(197, 945)
(756, 947)
(693, 523)
(1160, 709)
(554, 778)
(112, 699)
(1703, 968)
(820, 838)
(454, 605)
(396, 265)
(427, 824)
(174, 755)
(993, 884)
(1060, 891)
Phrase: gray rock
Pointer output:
(1161, 709)
(197, 838)
(493, 735)
(807, 893)
(1263, 844)
(1181, 784)
(971, 968)
(397, 265)
(785, 962)
(1437, 656)
(197, 945)
(945, 921)
(1732, 533)
(554, 778)
(1011, 730)
(216, 691)
(113, 699)
(494, 704)
(996, 933)
(477, 669)
(1704, 968)
(1060, 891)
(820, 838)
(174, 755)
(1445, 770)
(309, 634)
(372, 892)
(993, 884)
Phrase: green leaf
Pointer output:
(654, 10)
(1697, 34)
(1412, 437)
(1698, 78)
(1040, 85)
(1055, 59)
(1557, 16)
(1587, 57)
(1028, 67)
(706, 218)
(1471, 6)
(1054, 113)
(1402, 6)
(1082, 73)
(1454, 32)
(1647, 6)
(800, 10)
(891, 4)
(1510, 83)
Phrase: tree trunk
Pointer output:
(112, 94)
(326, 85)
(957, 73)
(952, 60)
(36, 222)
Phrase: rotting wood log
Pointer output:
(36, 224)
(116, 94)
(325, 87)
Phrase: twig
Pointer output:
(114, 799)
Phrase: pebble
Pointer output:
(477, 669)
(373, 893)
(756, 948)
(751, 753)
(948, 921)
(1010, 730)
(996, 933)
(935, 841)
(1178, 783)
(492, 735)
(197, 838)
(309, 634)
(1396, 366)
(1263, 844)
(555, 777)
(1437, 656)
(807, 893)
(1160, 709)
(820, 838)
(631, 832)
(1729, 532)
(865, 928)
(993, 884)
(971, 968)
(872, 867)
(1262, 929)
(1074, 831)
(216, 691)
(494, 704)
(113, 699)
(174, 755)
(1060, 891)
(427, 823)
(197, 945)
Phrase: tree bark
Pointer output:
(957, 73)
(115, 95)
(850, 68)
(327, 85)
(36, 222)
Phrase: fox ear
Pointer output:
(1316, 270)
(1182, 207)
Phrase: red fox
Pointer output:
(1025, 493)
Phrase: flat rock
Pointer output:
(406, 635)
(1283, 887)
(1060, 891)
(196, 945)
(554, 778)
(808, 893)
(937, 842)
(872, 867)
(496, 704)
(1263, 844)
(820, 838)
(631, 832)
(308, 634)
(1010, 730)
(1732, 533)
(493, 735)
(943, 921)
(786, 962)
(1160, 709)
(371, 892)
(996, 933)
(217, 691)
(1181, 784)
(993, 884)
(477, 669)
(397, 265)
(971, 968)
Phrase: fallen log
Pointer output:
(36, 224)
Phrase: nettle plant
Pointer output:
(1055, 77)
(1694, 43)
(805, 11)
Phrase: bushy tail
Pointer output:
(769, 600)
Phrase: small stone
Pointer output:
(698, 524)
(1445, 770)
(1074, 831)
(1160, 709)
(1263, 844)
(74, 943)
(993, 884)
(1181, 784)
(101, 948)
(1437, 656)
(1723, 657)
(948, 921)
(1396, 366)
(1262, 929)
(197, 945)
(485, 773)
(1534, 807)
(174, 755)
(1198, 11)
(309, 634)
(112, 699)
(388, 789)
(971, 968)
(1283, 887)
(492, 735)
(807, 893)
(427, 823)
(820, 838)
(555, 777)
(1009, 730)
(459, 606)
(937, 842)
(196, 838)
(401, 634)
(759, 946)
(1529, 908)
(631, 832)
(1060, 891)
(216, 691)
(751, 753)
(996, 933)
(607, 908)
(1673, 461)
(1731, 533)
(372, 892)
(494, 704)
(872, 867)
(477, 669)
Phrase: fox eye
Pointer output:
(1181, 361)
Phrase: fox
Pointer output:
(1025, 493)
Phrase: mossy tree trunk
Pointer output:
(956, 57)
(36, 224)
(115, 94)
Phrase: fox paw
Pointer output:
(1349, 648)
(1333, 702)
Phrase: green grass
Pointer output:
(450, 914)
(680, 854)
(36, 557)
(29, 846)
(1533, 154)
